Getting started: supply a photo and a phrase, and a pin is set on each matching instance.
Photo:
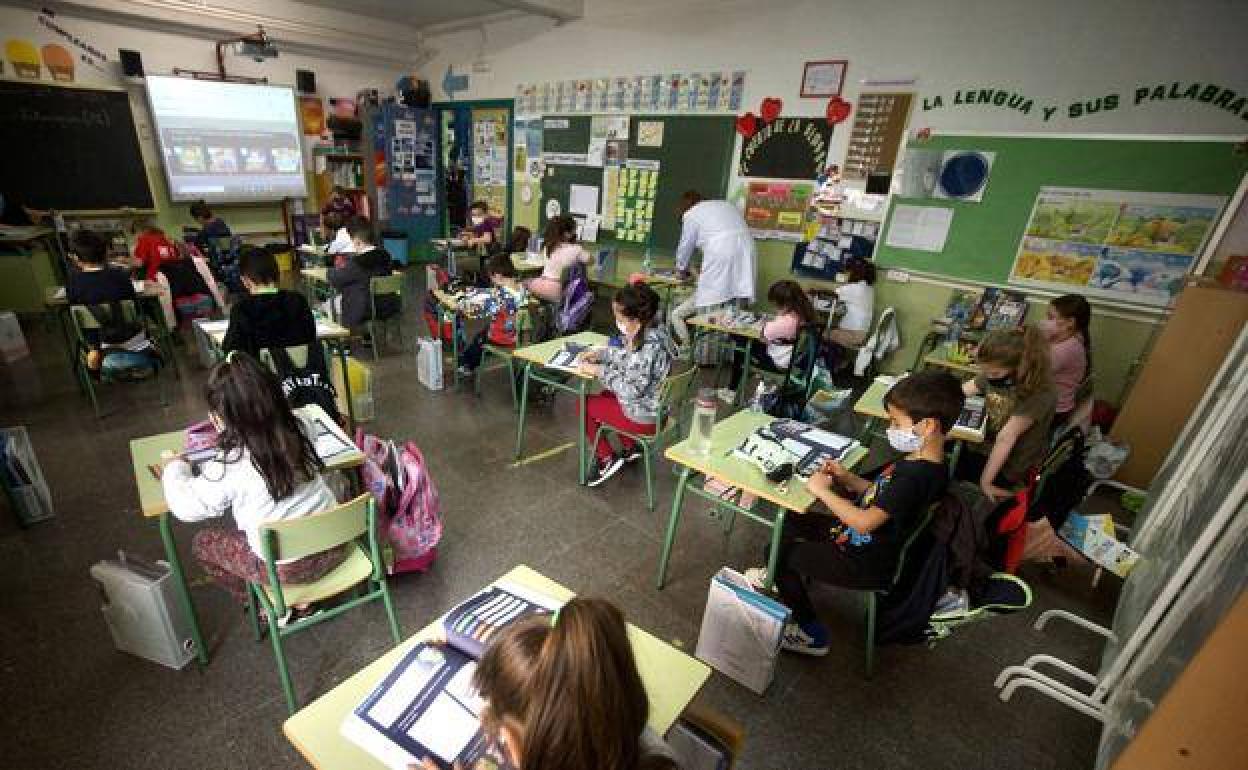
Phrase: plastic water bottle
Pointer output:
(703, 422)
(756, 403)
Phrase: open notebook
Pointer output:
(426, 706)
(565, 358)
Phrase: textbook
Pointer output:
(426, 706)
(804, 446)
(566, 357)
(973, 416)
(999, 309)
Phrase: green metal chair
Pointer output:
(871, 597)
(382, 285)
(86, 319)
(673, 397)
(524, 336)
(353, 524)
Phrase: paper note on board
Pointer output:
(582, 199)
(924, 228)
(650, 133)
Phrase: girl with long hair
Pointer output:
(264, 469)
(1070, 344)
(1017, 384)
(779, 334)
(562, 252)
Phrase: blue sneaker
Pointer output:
(809, 638)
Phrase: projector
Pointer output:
(257, 49)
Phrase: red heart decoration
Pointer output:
(769, 110)
(838, 110)
(747, 125)
(923, 134)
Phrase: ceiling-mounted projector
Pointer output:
(257, 47)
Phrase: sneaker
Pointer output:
(464, 372)
(604, 470)
(954, 601)
(632, 454)
(806, 639)
(756, 577)
(727, 395)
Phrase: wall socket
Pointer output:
(898, 276)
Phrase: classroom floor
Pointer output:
(68, 699)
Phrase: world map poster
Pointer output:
(1132, 246)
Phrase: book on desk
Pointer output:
(567, 357)
(804, 446)
(426, 706)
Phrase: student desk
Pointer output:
(31, 259)
(671, 679)
(871, 405)
(449, 247)
(145, 452)
(940, 358)
(316, 284)
(720, 464)
(330, 333)
(936, 332)
(527, 263)
(535, 358)
(626, 265)
(741, 337)
(146, 293)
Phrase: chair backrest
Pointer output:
(386, 284)
(306, 535)
(91, 317)
(674, 392)
(918, 529)
(298, 356)
(805, 352)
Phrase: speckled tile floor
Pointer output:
(68, 699)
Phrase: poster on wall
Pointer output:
(787, 148)
(636, 186)
(777, 210)
(312, 115)
(1115, 244)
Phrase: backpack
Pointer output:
(408, 505)
(578, 300)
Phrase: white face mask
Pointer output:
(477, 220)
(623, 330)
(904, 440)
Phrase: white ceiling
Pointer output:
(428, 15)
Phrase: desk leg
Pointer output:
(581, 471)
(773, 555)
(346, 385)
(524, 402)
(455, 330)
(672, 522)
(179, 582)
(745, 373)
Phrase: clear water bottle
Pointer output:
(647, 262)
(756, 403)
(703, 422)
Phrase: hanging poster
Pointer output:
(736, 93)
(650, 133)
(584, 96)
(636, 187)
(600, 87)
(1116, 244)
(777, 210)
(609, 127)
(787, 148)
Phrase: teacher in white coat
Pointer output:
(717, 229)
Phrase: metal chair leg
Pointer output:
(870, 652)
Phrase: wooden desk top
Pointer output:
(871, 404)
(753, 331)
(147, 451)
(541, 352)
(325, 330)
(317, 274)
(525, 262)
(719, 462)
(54, 296)
(671, 679)
(938, 358)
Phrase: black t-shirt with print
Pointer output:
(903, 490)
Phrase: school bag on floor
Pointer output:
(578, 300)
(408, 505)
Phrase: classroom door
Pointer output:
(475, 159)
(491, 161)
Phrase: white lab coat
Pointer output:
(728, 259)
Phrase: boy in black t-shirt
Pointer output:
(95, 282)
(858, 542)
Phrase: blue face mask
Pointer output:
(1002, 382)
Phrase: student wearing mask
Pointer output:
(353, 305)
(562, 252)
(718, 230)
(1017, 385)
(632, 375)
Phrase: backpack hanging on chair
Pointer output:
(578, 300)
(415, 529)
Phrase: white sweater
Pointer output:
(238, 487)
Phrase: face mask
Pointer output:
(904, 440)
(478, 220)
(623, 329)
(1001, 382)
(1048, 326)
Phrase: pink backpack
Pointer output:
(408, 506)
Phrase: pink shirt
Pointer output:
(564, 256)
(1070, 367)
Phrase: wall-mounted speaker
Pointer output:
(131, 63)
(305, 81)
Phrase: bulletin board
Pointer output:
(984, 237)
(694, 152)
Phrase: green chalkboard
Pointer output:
(696, 153)
(984, 237)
